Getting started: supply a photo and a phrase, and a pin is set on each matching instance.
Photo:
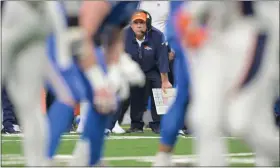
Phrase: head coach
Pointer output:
(146, 46)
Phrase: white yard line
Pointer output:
(62, 157)
(190, 160)
(71, 135)
(75, 138)
(19, 140)
(110, 137)
(245, 158)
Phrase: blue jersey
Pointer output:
(119, 16)
(121, 13)
(174, 5)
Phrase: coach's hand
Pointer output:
(171, 55)
(165, 85)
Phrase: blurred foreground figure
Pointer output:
(86, 62)
(236, 48)
(107, 69)
(25, 25)
(173, 120)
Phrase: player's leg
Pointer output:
(176, 113)
(88, 150)
(267, 146)
(207, 107)
(67, 85)
(173, 120)
(252, 116)
(25, 84)
(7, 52)
(264, 135)
(12, 38)
(83, 110)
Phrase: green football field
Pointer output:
(136, 149)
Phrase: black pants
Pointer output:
(124, 107)
(171, 75)
(9, 116)
(139, 98)
(114, 118)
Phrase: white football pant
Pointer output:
(222, 103)
(23, 56)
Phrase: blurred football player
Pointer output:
(231, 81)
(100, 29)
(90, 76)
(63, 77)
(173, 120)
(25, 26)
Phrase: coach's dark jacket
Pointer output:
(152, 56)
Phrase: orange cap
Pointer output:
(140, 16)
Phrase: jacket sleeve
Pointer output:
(162, 54)
(126, 38)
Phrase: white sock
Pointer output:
(81, 154)
(163, 159)
(35, 136)
(209, 158)
(83, 114)
(34, 126)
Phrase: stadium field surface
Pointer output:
(137, 149)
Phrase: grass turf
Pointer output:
(126, 150)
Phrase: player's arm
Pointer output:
(59, 29)
(114, 46)
(92, 13)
